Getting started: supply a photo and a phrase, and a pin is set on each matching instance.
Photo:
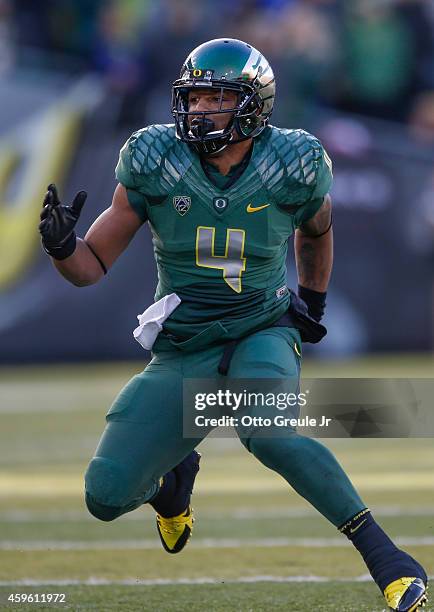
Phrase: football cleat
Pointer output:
(406, 594)
(175, 532)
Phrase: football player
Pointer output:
(222, 191)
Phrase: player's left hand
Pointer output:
(314, 300)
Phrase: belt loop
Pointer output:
(225, 361)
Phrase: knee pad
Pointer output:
(101, 512)
(106, 484)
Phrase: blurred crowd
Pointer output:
(374, 57)
(359, 74)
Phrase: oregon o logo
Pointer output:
(220, 204)
(197, 72)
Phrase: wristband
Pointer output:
(64, 250)
(315, 302)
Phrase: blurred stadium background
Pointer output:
(76, 78)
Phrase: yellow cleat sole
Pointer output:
(175, 533)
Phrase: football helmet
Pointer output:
(224, 64)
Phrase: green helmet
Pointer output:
(224, 63)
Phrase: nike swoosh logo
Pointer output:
(358, 526)
(251, 208)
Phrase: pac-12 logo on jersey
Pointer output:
(182, 204)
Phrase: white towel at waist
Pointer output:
(150, 321)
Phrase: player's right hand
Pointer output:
(58, 222)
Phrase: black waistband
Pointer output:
(296, 316)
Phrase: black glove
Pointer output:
(314, 300)
(58, 222)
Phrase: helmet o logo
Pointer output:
(197, 72)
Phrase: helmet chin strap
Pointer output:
(210, 148)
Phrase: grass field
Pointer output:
(257, 545)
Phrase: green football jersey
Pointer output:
(222, 250)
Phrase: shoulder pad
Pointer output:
(157, 159)
(293, 164)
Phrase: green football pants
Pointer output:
(143, 438)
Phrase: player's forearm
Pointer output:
(81, 268)
(314, 260)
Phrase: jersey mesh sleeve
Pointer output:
(321, 186)
(125, 174)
